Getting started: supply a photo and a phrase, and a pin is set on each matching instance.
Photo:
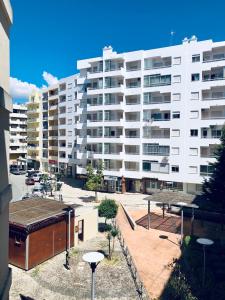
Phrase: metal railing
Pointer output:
(142, 293)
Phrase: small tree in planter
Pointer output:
(108, 209)
(94, 179)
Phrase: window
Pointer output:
(69, 97)
(146, 166)
(175, 150)
(195, 77)
(177, 60)
(192, 169)
(193, 151)
(69, 133)
(176, 97)
(176, 115)
(175, 132)
(176, 79)
(69, 109)
(194, 132)
(195, 58)
(194, 114)
(194, 95)
(69, 155)
(69, 86)
(69, 145)
(175, 169)
(206, 170)
(69, 121)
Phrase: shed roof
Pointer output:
(171, 197)
(31, 211)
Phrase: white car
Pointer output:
(38, 191)
(36, 177)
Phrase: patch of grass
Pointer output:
(103, 244)
(35, 271)
(114, 261)
(74, 252)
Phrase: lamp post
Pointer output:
(69, 209)
(93, 258)
(182, 204)
(204, 242)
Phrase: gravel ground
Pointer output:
(51, 280)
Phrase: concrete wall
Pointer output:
(5, 106)
(90, 218)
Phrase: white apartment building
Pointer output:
(58, 115)
(153, 116)
(18, 134)
(5, 108)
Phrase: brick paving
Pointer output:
(151, 254)
(168, 223)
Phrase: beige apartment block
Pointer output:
(5, 108)
(34, 137)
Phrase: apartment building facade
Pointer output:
(154, 117)
(58, 115)
(5, 108)
(18, 135)
(34, 135)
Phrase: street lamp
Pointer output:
(204, 242)
(93, 258)
(182, 204)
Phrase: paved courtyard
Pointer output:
(51, 281)
(152, 251)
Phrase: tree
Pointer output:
(111, 235)
(94, 179)
(214, 187)
(108, 209)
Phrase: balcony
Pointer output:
(156, 80)
(131, 166)
(133, 83)
(214, 74)
(155, 167)
(216, 113)
(208, 151)
(156, 150)
(213, 94)
(133, 66)
(157, 63)
(157, 98)
(150, 116)
(216, 54)
(211, 133)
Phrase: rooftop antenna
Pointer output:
(172, 33)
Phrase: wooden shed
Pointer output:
(38, 230)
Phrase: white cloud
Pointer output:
(21, 89)
(49, 78)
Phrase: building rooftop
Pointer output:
(31, 211)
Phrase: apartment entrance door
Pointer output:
(81, 230)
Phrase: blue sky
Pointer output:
(51, 35)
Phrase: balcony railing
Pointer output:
(213, 77)
(215, 57)
(133, 85)
(212, 117)
(114, 85)
(210, 136)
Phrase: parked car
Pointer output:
(38, 190)
(15, 172)
(36, 177)
(22, 172)
(29, 181)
